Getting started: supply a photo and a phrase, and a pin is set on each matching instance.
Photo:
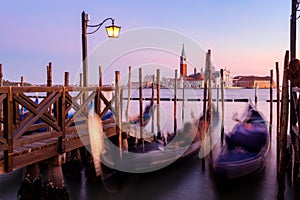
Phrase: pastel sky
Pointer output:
(247, 37)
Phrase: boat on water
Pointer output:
(148, 154)
(246, 147)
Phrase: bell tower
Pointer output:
(183, 65)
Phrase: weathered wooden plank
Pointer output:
(2, 97)
(34, 137)
(61, 122)
(8, 125)
(36, 127)
(80, 109)
(77, 97)
(35, 156)
(3, 147)
(105, 101)
(76, 143)
(4, 89)
(31, 106)
(39, 113)
(35, 89)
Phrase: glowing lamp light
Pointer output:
(113, 31)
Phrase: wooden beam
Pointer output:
(8, 123)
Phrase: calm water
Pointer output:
(188, 179)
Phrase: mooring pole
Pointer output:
(222, 100)
(1, 76)
(100, 86)
(210, 103)
(255, 98)
(158, 102)
(141, 106)
(128, 93)
(152, 108)
(278, 112)
(118, 110)
(49, 84)
(271, 103)
(283, 128)
(175, 102)
(22, 84)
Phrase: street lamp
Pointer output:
(112, 32)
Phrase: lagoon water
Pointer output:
(188, 179)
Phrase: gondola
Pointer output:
(146, 155)
(246, 147)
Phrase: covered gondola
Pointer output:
(246, 147)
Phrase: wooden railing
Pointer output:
(295, 136)
(32, 132)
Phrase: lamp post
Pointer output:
(112, 32)
(293, 28)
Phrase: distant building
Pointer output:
(216, 78)
(195, 80)
(251, 81)
(183, 64)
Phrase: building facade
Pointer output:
(252, 81)
(183, 63)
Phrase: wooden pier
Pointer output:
(24, 141)
(294, 131)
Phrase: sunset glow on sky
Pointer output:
(247, 37)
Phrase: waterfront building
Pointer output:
(183, 64)
(216, 78)
(251, 81)
(194, 80)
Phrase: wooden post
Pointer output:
(67, 79)
(8, 126)
(121, 100)
(210, 100)
(73, 166)
(203, 131)
(118, 109)
(49, 84)
(278, 112)
(100, 76)
(152, 100)
(222, 100)
(255, 98)
(1, 76)
(283, 128)
(128, 94)
(158, 103)
(60, 112)
(100, 86)
(203, 134)
(141, 105)
(22, 81)
(80, 79)
(22, 84)
(271, 103)
(49, 75)
(175, 102)
(217, 97)
(80, 84)
(61, 115)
